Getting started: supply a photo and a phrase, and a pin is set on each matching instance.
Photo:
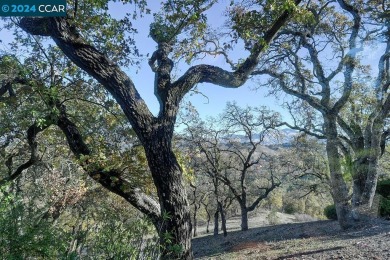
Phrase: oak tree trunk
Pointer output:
(208, 220)
(375, 154)
(194, 223)
(244, 218)
(339, 187)
(216, 222)
(223, 218)
(168, 178)
(359, 175)
(365, 170)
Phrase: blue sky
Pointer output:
(213, 98)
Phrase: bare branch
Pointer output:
(32, 133)
(313, 101)
(215, 75)
(351, 55)
(302, 129)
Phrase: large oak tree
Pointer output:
(83, 38)
(323, 68)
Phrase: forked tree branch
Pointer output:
(121, 86)
(32, 133)
(109, 179)
(95, 64)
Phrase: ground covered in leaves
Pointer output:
(310, 240)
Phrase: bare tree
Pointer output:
(197, 197)
(208, 163)
(231, 147)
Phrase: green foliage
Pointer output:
(177, 15)
(383, 188)
(184, 160)
(160, 32)
(276, 199)
(330, 212)
(24, 233)
(124, 240)
(273, 218)
(112, 35)
(172, 248)
(98, 117)
(384, 207)
(313, 206)
(182, 23)
(291, 208)
(262, 14)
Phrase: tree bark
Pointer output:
(194, 222)
(112, 179)
(216, 222)
(369, 145)
(208, 218)
(208, 223)
(365, 167)
(339, 187)
(359, 175)
(244, 218)
(375, 154)
(223, 218)
(168, 178)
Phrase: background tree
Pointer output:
(233, 156)
(196, 203)
(299, 70)
(309, 169)
(207, 162)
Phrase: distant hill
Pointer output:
(285, 137)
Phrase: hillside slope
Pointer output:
(310, 240)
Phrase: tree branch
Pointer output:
(313, 101)
(111, 179)
(95, 64)
(265, 195)
(301, 129)
(32, 133)
(218, 76)
(350, 57)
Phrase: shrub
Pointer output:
(273, 218)
(383, 188)
(330, 212)
(24, 234)
(130, 240)
(290, 208)
(384, 207)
